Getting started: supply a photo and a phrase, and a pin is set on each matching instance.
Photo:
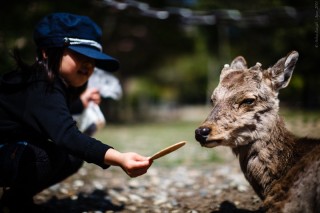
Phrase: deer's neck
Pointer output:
(267, 158)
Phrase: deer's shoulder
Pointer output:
(299, 187)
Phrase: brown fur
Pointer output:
(284, 170)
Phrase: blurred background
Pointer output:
(171, 52)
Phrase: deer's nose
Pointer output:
(202, 133)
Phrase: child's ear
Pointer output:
(44, 54)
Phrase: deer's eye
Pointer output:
(247, 101)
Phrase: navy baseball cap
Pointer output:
(78, 33)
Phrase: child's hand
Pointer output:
(132, 163)
(90, 94)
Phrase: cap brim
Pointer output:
(103, 60)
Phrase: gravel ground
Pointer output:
(216, 188)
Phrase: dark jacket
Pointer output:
(36, 112)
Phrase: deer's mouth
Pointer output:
(211, 143)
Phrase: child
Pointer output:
(40, 144)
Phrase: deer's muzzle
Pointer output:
(208, 137)
(202, 133)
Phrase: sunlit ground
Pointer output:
(146, 139)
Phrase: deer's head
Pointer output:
(245, 103)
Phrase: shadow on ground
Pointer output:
(93, 202)
(229, 207)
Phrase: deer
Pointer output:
(283, 169)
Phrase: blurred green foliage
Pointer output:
(167, 61)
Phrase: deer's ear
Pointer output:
(239, 63)
(282, 71)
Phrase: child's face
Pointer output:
(75, 68)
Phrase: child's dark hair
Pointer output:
(49, 64)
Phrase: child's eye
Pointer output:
(88, 65)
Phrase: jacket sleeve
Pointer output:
(76, 107)
(49, 113)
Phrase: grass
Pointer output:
(302, 123)
(304, 115)
(146, 139)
